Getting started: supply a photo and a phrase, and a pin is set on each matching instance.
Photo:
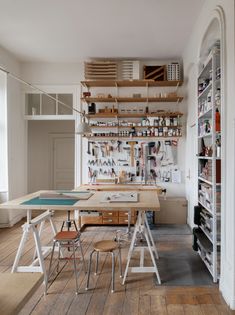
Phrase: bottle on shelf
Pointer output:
(217, 120)
(209, 99)
(218, 148)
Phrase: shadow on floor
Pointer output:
(179, 264)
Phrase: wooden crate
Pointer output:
(100, 70)
(156, 73)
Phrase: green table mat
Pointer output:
(58, 202)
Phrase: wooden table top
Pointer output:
(147, 200)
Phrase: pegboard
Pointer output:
(148, 162)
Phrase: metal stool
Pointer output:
(105, 246)
(69, 239)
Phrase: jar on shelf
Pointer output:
(175, 121)
(156, 132)
(167, 121)
(209, 99)
(217, 97)
(163, 121)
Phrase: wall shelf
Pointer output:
(132, 115)
(130, 83)
(132, 99)
(141, 138)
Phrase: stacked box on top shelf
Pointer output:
(173, 71)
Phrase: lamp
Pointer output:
(82, 127)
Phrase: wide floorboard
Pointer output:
(139, 295)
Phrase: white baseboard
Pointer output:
(226, 293)
(12, 222)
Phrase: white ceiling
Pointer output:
(73, 30)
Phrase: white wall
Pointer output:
(191, 54)
(17, 149)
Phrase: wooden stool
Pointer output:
(67, 239)
(105, 246)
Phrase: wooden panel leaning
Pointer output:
(16, 289)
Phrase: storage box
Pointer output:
(173, 210)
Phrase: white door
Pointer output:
(63, 162)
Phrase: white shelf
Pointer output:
(206, 114)
(205, 91)
(205, 180)
(205, 135)
(209, 210)
(206, 263)
(206, 233)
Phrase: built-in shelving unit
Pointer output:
(209, 162)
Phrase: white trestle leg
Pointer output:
(40, 252)
(142, 227)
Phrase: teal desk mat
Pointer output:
(57, 202)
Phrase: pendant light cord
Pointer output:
(40, 90)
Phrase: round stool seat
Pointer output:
(105, 246)
(67, 235)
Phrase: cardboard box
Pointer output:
(173, 210)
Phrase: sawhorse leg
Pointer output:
(54, 230)
(143, 228)
(150, 236)
(38, 264)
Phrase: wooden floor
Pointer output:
(140, 295)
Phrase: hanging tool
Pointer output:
(158, 147)
(137, 168)
(119, 145)
(132, 144)
(174, 144)
(150, 146)
(92, 149)
(89, 148)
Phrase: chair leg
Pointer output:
(97, 262)
(75, 268)
(83, 260)
(58, 263)
(49, 271)
(89, 270)
(113, 270)
(120, 262)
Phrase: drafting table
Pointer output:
(147, 201)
